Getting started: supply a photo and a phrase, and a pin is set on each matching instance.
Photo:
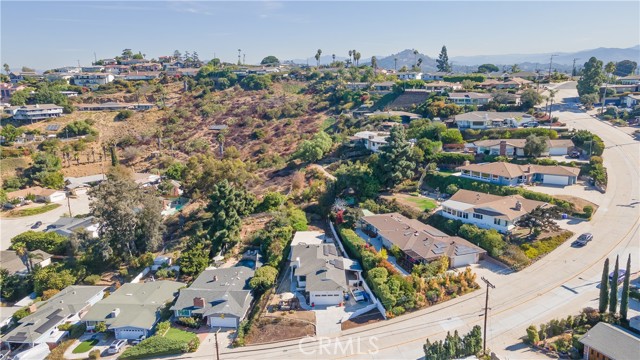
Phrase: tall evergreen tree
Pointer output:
(395, 158)
(613, 295)
(624, 301)
(443, 60)
(604, 288)
(592, 77)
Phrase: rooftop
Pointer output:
(11, 261)
(504, 206)
(509, 170)
(323, 267)
(612, 341)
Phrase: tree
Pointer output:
(451, 136)
(270, 60)
(272, 200)
(317, 56)
(604, 288)
(256, 82)
(45, 170)
(592, 77)
(442, 63)
(541, 218)
(264, 278)
(10, 133)
(359, 177)
(530, 98)
(50, 242)
(374, 63)
(100, 327)
(314, 149)
(625, 68)
(394, 161)
(613, 294)
(535, 145)
(52, 277)
(589, 99)
(532, 335)
(624, 302)
(194, 260)
(227, 204)
(610, 68)
(487, 68)
(6, 68)
(515, 68)
(127, 53)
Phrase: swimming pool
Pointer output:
(248, 263)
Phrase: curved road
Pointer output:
(558, 285)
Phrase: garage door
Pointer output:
(555, 180)
(129, 333)
(57, 197)
(326, 299)
(464, 260)
(227, 322)
(558, 151)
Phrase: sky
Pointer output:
(49, 34)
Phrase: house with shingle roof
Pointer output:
(487, 119)
(41, 326)
(606, 341)
(470, 98)
(320, 272)
(488, 211)
(420, 243)
(515, 147)
(221, 297)
(504, 173)
(133, 310)
(10, 261)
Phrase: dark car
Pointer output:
(583, 240)
(621, 273)
(37, 225)
(574, 155)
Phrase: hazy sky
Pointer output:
(48, 34)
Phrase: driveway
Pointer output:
(329, 319)
(579, 190)
(102, 345)
(10, 227)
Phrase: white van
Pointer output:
(116, 346)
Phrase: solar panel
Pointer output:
(464, 250)
(53, 127)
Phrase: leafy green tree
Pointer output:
(194, 260)
(530, 98)
(45, 170)
(14, 287)
(264, 278)
(20, 97)
(100, 327)
(625, 68)
(452, 136)
(532, 335)
(50, 242)
(227, 204)
(359, 177)
(624, 301)
(589, 99)
(604, 288)
(314, 149)
(613, 294)
(592, 77)
(317, 56)
(442, 63)
(270, 60)
(534, 145)
(394, 161)
(7, 68)
(541, 218)
(10, 133)
(256, 82)
(487, 68)
(52, 277)
(272, 200)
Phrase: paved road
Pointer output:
(10, 227)
(560, 284)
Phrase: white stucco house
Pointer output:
(515, 147)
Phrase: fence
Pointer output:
(139, 277)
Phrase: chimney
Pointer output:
(371, 137)
(37, 106)
(518, 205)
(33, 308)
(297, 262)
(114, 313)
(215, 278)
(198, 302)
(529, 169)
(503, 147)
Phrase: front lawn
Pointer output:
(423, 204)
(178, 334)
(85, 346)
(32, 211)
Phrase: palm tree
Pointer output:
(415, 56)
(26, 257)
(419, 62)
(76, 157)
(374, 63)
(395, 64)
(318, 54)
(350, 53)
(333, 56)
(356, 57)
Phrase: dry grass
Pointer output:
(579, 203)
(369, 317)
(278, 329)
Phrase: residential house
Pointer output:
(488, 211)
(92, 81)
(41, 325)
(147, 66)
(23, 76)
(353, 86)
(372, 140)
(116, 69)
(66, 226)
(108, 106)
(515, 147)
(40, 194)
(420, 243)
(133, 310)
(69, 94)
(7, 89)
(109, 61)
(440, 86)
(384, 87)
(191, 72)
(221, 297)
(527, 75)
(435, 76)
(630, 100)
(504, 173)
(470, 98)
(321, 273)
(133, 61)
(34, 112)
(404, 116)
(68, 69)
(629, 80)
(146, 179)
(478, 120)
(140, 75)
(10, 261)
(92, 69)
(409, 75)
(74, 183)
(59, 76)
(610, 342)
(513, 83)
(620, 88)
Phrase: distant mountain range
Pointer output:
(527, 62)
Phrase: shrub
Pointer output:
(48, 294)
(189, 322)
(155, 346)
(50, 242)
(77, 330)
(163, 326)
(18, 315)
(588, 211)
(123, 115)
(92, 279)
(94, 354)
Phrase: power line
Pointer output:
(486, 309)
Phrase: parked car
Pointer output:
(583, 240)
(116, 346)
(530, 124)
(37, 225)
(621, 273)
(575, 155)
(138, 340)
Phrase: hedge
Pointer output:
(450, 158)
(352, 242)
(472, 135)
(459, 78)
(157, 346)
(544, 246)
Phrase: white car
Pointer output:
(116, 346)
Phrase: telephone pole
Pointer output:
(551, 62)
(69, 205)
(574, 72)
(216, 338)
(239, 51)
(486, 310)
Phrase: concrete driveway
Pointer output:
(10, 227)
(328, 319)
(580, 190)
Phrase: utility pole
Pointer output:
(551, 62)
(216, 337)
(239, 51)
(95, 58)
(78, 62)
(69, 205)
(486, 309)
(574, 73)
(243, 59)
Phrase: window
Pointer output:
(303, 278)
(186, 313)
(496, 221)
(477, 216)
(465, 215)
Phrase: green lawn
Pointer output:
(85, 346)
(422, 203)
(32, 211)
(178, 334)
